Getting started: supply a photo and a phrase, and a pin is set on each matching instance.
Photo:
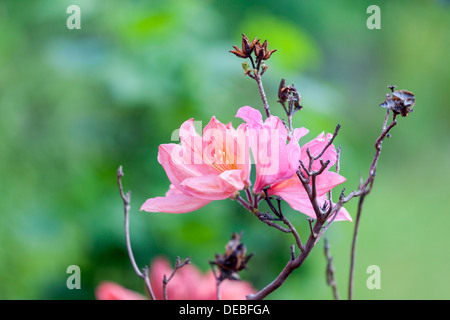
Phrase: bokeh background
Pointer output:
(76, 104)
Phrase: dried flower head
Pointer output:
(288, 94)
(233, 260)
(400, 102)
(247, 47)
(261, 51)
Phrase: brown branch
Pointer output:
(283, 218)
(362, 192)
(291, 265)
(262, 92)
(318, 229)
(262, 216)
(309, 184)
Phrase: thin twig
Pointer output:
(330, 142)
(283, 218)
(353, 250)
(218, 281)
(310, 221)
(363, 191)
(262, 216)
(126, 198)
(338, 159)
(331, 280)
(178, 265)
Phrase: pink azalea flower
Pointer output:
(188, 283)
(275, 158)
(201, 169)
(292, 191)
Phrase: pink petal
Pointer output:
(327, 180)
(170, 156)
(304, 205)
(112, 291)
(270, 153)
(233, 178)
(289, 188)
(215, 135)
(294, 150)
(235, 290)
(274, 160)
(225, 146)
(174, 202)
(301, 204)
(315, 148)
(251, 116)
(208, 187)
(177, 166)
(243, 150)
(191, 142)
(292, 191)
(342, 215)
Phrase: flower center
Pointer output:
(223, 160)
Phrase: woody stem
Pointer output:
(290, 266)
(262, 92)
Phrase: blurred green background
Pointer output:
(76, 104)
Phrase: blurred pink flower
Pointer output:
(275, 158)
(188, 283)
(292, 191)
(112, 291)
(201, 169)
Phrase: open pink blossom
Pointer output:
(188, 283)
(275, 158)
(291, 190)
(201, 169)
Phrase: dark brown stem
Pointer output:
(290, 266)
(283, 218)
(264, 217)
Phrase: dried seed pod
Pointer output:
(261, 51)
(400, 101)
(247, 48)
(283, 92)
(233, 260)
(289, 94)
